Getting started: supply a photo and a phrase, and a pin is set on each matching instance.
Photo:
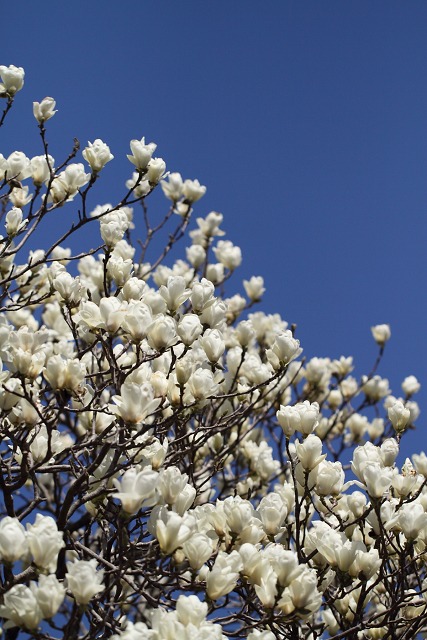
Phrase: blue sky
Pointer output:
(307, 121)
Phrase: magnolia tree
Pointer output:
(172, 468)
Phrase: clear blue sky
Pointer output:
(307, 121)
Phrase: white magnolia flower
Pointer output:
(141, 153)
(136, 489)
(45, 542)
(162, 333)
(40, 169)
(228, 254)
(420, 463)
(399, 416)
(302, 596)
(171, 529)
(309, 452)
(14, 222)
(411, 519)
(410, 385)
(212, 342)
(273, 511)
(191, 611)
(21, 608)
(155, 170)
(12, 80)
(381, 333)
(44, 110)
(192, 190)
(65, 374)
(223, 576)
(198, 549)
(175, 293)
(49, 594)
(302, 417)
(254, 288)
(377, 479)
(173, 187)
(18, 165)
(83, 580)
(135, 402)
(330, 478)
(196, 255)
(66, 185)
(208, 227)
(97, 154)
(284, 349)
(13, 540)
(189, 328)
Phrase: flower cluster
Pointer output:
(172, 464)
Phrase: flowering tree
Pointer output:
(171, 467)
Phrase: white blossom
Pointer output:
(136, 488)
(97, 154)
(141, 153)
(223, 576)
(399, 416)
(45, 542)
(84, 580)
(12, 80)
(20, 607)
(381, 333)
(44, 110)
(13, 540)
